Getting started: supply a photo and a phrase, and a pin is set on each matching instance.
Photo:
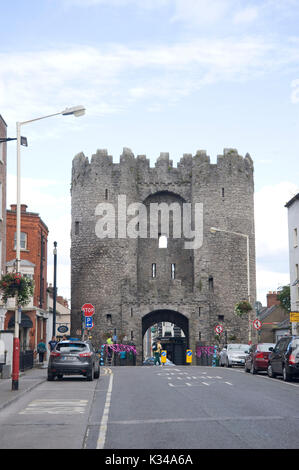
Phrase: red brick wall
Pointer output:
(33, 226)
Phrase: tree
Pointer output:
(284, 297)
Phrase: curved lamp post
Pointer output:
(76, 111)
(244, 235)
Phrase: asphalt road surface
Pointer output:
(179, 407)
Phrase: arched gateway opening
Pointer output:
(176, 344)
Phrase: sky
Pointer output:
(155, 76)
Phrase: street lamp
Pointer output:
(244, 235)
(76, 111)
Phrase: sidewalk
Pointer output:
(27, 381)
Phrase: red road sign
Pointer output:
(257, 324)
(218, 329)
(88, 310)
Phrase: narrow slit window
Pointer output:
(211, 283)
(199, 311)
(222, 192)
(154, 270)
(131, 311)
(132, 335)
(109, 318)
(106, 194)
(77, 228)
(172, 271)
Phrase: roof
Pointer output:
(265, 312)
(283, 325)
(3, 120)
(291, 201)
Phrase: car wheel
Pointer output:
(89, 375)
(285, 375)
(246, 368)
(253, 369)
(96, 374)
(270, 372)
(50, 377)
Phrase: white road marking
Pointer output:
(228, 383)
(205, 383)
(55, 407)
(103, 426)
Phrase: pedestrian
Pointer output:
(122, 357)
(157, 348)
(52, 343)
(41, 349)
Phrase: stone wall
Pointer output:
(115, 274)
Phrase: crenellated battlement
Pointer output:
(101, 162)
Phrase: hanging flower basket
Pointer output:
(14, 284)
(243, 307)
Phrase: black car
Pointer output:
(74, 357)
(284, 358)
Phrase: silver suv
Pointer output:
(74, 358)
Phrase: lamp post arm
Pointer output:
(38, 119)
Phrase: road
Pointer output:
(179, 407)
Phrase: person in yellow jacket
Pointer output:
(157, 353)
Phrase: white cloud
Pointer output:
(295, 92)
(246, 16)
(271, 223)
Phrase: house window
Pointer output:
(211, 283)
(221, 317)
(295, 237)
(172, 271)
(154, 270)
(23, 241)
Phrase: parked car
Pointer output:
(74, 358)
(233, 355)
(284, 358)
(150, 362)
(258, 357)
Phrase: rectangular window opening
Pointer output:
(154, 270)
(172, 271)
(109, 318)
(77, 228)
(295, 237)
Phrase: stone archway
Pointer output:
(172, 316)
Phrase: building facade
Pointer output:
(293, 226)
(3, 156)
(34, 239)
(141, 274)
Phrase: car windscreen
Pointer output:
(71, 347)
(295, 344)
(265, 347)
(237, 347)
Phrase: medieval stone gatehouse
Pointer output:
(130, 280)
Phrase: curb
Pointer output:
(28, 389)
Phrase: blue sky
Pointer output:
(155, 76)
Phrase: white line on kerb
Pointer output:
(103, 426)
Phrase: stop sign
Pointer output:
(88, 310)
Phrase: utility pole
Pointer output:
(54, 289)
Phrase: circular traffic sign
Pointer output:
(218, 329)
(88, 310)
(257, 324)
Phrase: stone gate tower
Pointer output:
(131, 281)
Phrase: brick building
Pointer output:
(135, 282)
(275, 320)
(3, 154)
(34, 237)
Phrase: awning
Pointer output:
(25, 321)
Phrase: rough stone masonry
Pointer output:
(133, 283)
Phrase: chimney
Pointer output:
(272, 299)
(13, 207)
